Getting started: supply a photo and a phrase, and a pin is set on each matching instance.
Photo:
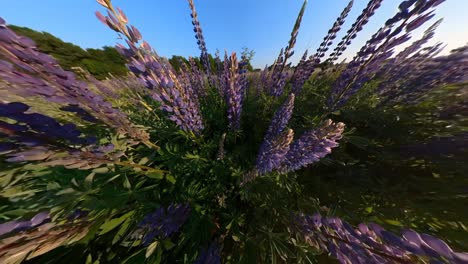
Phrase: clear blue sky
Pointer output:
(261, 25)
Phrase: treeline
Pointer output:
(99, 62)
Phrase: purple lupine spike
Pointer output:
(281, 118)
(219, 74)
(312, 146)
(243, 80)
(356, 27)
(404, 67)
(197, 79)
(39, 74)
(306, 68)
(300, 74)
(276, 142)
(180, 103)
(425, 72)
(42, 139)
(15, 226)
(210, 255)
(163, 223)
(41, 125)
(372, 245)
(417, 45)
(376, 52)
(278, 76)
(234, 91)
(271, 154)
(328, 40)
(200, 39)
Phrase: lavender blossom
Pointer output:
(163, 223)
(210, 255)
(370, 243)
(312, 146)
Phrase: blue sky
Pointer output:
(261, 25)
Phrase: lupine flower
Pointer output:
(276, 141)
(200, 39)
(41, 237)
(328, 40)
(197, 79)
(370, 243)
(210, 255)
(281, 118)
(38, 126)
(37, 137)
(306, 67)
(431, 72)
(163, 222)
(312, 146)
(38, 74)
(277, 76)
(372, 56)
(16, 226)
(155, 74)
(219, 75)
(272, 152)
(357, 26)
(300, 75)
(234, 92)
(404, 66)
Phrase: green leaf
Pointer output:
(89, 180)
(89, 259)
(393, 222)
(126, 183)
(170, 178)
(369, 209)
(101, 170)
(121, 231)
(168, 244)
(151, 248)
(143, 161)
(235, 238)
(66, 191)
(111, 224)
(155, 175)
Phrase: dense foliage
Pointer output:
(203, 161)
